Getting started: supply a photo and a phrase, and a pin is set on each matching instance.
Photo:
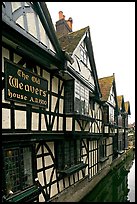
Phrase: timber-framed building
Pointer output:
(57, 127)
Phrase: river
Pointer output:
(131, 183)
(117, 186)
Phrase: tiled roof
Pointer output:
(127, 107)
(119, 100)
(105, 84)
(70, 41)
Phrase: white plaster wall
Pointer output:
(77, 127)
(55, 123)
(6, 118)
(16, 58)
(106, 129)
(61, 105)
(54, 190)
(68, 124)
(55, 85)
(46, 76)
(35, 121)
(48, 161)
(31, 24)
(60, 123)
(84, 70)
(54, 101)
(20, 119)
(20, 21)
(43, 123)
(15, 5)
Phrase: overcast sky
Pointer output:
(112, 28)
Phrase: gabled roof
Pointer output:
(127, 107)
(21, 37)
(120, 100)
(70, 41)
(105, 84)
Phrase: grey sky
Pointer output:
(112, 27)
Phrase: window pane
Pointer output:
(82, 94)
(17, 169)
(67, 153)
(11, 165)
(26, 167)
(69, 96)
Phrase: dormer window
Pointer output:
(83, 53)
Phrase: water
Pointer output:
(117, 186)
(131, 183)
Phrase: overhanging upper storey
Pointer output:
(28, 28)
(109, 99)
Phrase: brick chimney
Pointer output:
(69, 22)
(63, 26)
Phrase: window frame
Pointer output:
(63, 157)
(106, 114)
(83, 54)
(81, 95)
(21, 175)
(103, 150)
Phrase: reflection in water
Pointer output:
(117, 186)
(131, 183)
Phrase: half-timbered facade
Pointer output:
(121, 124)
(83, 108)
(127, 113)
(57, 127)
(110, 112)
(32, 98)
(124, 111)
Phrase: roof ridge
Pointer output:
(106, 77)
(73, 32)
(70, 40)
(79, 30)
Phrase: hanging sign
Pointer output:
(24, 86)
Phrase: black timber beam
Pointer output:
(9, 138)
(28, 46)
(45, 18)
(92, 63)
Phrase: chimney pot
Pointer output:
(60, 15)
(69, 22)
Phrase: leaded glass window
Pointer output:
(81, 98)
(106, 114)
(103, 148)
(83, 53)
(69, 96)
(67, 153)
(17, 168)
